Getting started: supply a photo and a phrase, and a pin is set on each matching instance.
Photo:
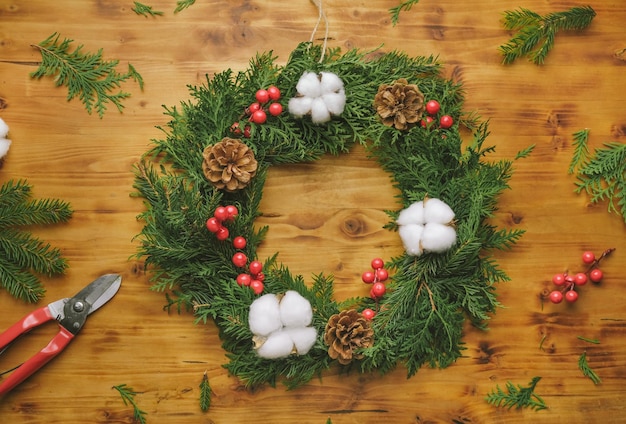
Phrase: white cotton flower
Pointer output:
(335, 102)
(295, 310)
(324, 94)
(4, 147)
(300, 106)
(414, 214)
(438, 211)
(411, 235)
(319, 111)
(4, 129)
(438, 237)
(277, 345)
(264, 317)
(330, 83)
(309, 85)
(303, 338)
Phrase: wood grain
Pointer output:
(325, 216)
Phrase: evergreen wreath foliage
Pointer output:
(429, 298)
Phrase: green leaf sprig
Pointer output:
(128, 396)
(205, 393)
(183, 4)
(145, 10)
(536, 33)
(517, 396)
(87, 76)
(587, 371)
(403, 6)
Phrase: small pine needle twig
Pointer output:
(535, 36)
(183, 4)
(403, 6)
(518, 396)
(205, 393)
(145, 10)
(87, 76)
(584, 339)
(128, 396)
(581, 150)
(584, 367)
(525, 152)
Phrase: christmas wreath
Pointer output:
(202, 185)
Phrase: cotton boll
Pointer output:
(4, 129)
(414, 214)
(438, 237)
(4, 147)
(295, 310)
(264, 317)
(319, 111)
(411, 235)
(335, 102)
(303, 338)
(437, 211)
(309, 85)
(299, 106)
(278, 345)
(330, 83)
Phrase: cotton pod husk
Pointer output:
(303, 338)
(309, 85)
(437, 211)
(279, 344)
(4, 147)
(438, 237)
(295, 310)
(264, 315)
(411, 236)
(414, 214)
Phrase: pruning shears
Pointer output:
(70, 313)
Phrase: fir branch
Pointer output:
(536, 33)
(145, 10)
(584, 367)
(183, 4)
(518, 396)
(205, 393)
(581, 150)
(87, 76)
(405, 5)
(128, 396)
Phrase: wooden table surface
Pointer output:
(66, 153)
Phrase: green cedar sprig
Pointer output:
(205, 393)
(536, 33)
(587, 371)
(128, 396)
(517, 396)
(405, 5)
(23, 256)
(87, 76)
(183, 4)
(602, 175)
(145, 10)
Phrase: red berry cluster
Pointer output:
(215, 224)
(568, 283)
(377, 279)
(257, 113)
(432, 108)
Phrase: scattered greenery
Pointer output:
(584, 367)
(128, 396)
(405, 5)
(585, 339)
(145, 10)
(421, 318)
(205, 393)
(183, 4)
(535, 33)
(86, 75)
(602, 175)
(23, 256)
(517, 396)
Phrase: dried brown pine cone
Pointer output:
(346, 332)
(229, 164)
(400, 104)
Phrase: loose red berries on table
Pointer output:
(556, 297)
(588, 257)
(596, 275)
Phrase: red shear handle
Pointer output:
(56, 345)
(24, 325)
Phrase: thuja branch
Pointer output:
(587, 371)
(145, 10)
(536, 33)
(518, 396)
(87, 76)
(403, 6)
(128, 396)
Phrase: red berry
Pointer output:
(220, 213)
(259, 117)
(580, 279)
(253, 108)
(368, 313)
(382, 274)
(257, 286)
(378, 290)
(377, 263)
(246, 131)
(273, 92)
(213, 225)
(239, 242)
(558, 279)
(231, 212)
(262, 96)
(426, 123)
(235, 129)
(432, 107)
(588, 257)
(255, 267)
(240, 259)
(571, 296)
(222, 233)
(244, 279)
(446, 121)
(260, 276)
(275, 109)
(556, 297)
(368, 277)
(596, 275)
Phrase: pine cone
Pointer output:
(229, 164)
(400, 105)
(346, 332)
